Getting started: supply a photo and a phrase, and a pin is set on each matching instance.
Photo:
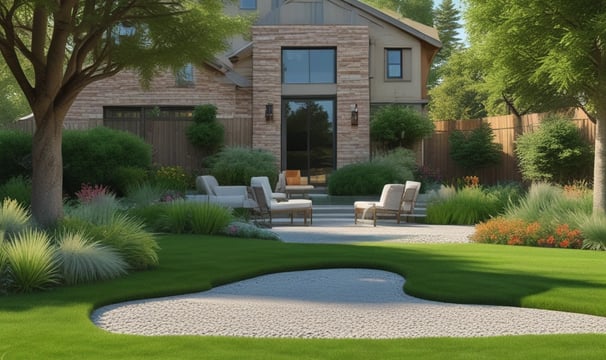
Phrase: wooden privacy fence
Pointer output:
(435, 151)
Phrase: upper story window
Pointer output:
(398, 64)
(394, 63)
(309, 66)
(248, 4)
(184, 77)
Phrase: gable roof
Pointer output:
(423, 32)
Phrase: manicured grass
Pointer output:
(55, 324)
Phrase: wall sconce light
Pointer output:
(354, 115)
(269, 112)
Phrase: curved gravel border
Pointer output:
(336, 303)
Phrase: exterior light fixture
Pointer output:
(354, 115)
(269, 112)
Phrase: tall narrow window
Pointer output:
(184, 77)
(248, 4)
(393, 63)
(308, 66)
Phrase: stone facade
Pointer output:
(352, 43)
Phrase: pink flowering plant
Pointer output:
(88, 193)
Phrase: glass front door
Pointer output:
(308, 140)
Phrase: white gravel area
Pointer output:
(335, 303)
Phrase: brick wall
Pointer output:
(352, 44)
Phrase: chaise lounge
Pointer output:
(229, 196)
(267, 204)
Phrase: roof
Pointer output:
(426, 33)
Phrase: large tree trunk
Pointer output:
(599, 169)
(47, 177)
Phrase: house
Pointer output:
(303, 86)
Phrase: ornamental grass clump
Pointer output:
(83, 260)
(209, 218)
(467, 206)
(250, 231)
(31, 261)
(14, 217)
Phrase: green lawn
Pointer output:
(55, 324)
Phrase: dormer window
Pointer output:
(184, 77)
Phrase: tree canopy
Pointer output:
(70, 44)
(542, 53)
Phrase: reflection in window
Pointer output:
(185, 76)
(308, 66)
(394, 63)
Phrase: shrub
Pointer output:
(467, 206)
(89, 193)
(236, 165)
(18, 188)
(506, 231)
(98, 211)
(126, 177)
(246, 230)
(395, 126)
(32, 263)
(191, 217)
(362, 179)
(85, 261)
(15, 154)
(475, 150)
(144, 194)
(93, 156)
(555, 152)
(206, 132)
(173, 178)
(14, 217)
(403, 160)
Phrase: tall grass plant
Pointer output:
(14, 217)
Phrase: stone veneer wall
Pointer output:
(352, 44)
(123, 89)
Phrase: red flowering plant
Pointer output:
(506, 231)
(563, 237)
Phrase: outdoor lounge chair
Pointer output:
(230, 196)
(291, 182)
(409, 199)
(390, 203)
(274, 207)
(279, 196)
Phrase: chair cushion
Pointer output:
(290, 205)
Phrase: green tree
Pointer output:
(547, 53)
(461, 94)
(395, 126)
(446, 19)
(475, 150)
(70, 44)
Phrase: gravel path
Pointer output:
(335, 303)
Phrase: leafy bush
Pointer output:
(395, 126)
(18, 188)
(126, 177)
(31, 259)
(15, 154)
(475, 150)
(236, 165)
(206, 132)
(467, 206)
(14, 217)
(555, 152)
(403, 160)
(93, 156)
(362, 179)
(85, 261)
